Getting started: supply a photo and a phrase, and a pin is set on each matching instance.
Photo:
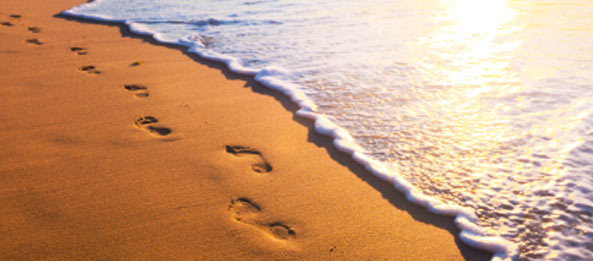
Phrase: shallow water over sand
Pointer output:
(480, 104)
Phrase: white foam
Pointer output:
(77, 12)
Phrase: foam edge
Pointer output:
(471, 234)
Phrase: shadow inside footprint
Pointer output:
(7, 24)
(245, 211)
(34, 29)
(34, 41)
(260, 165)
(281, 231)
(146, 120)
(91, 69)
(146, 124)
(78, 50)
(141, 91)
(159, 130)
(136, 63)
(15, 16)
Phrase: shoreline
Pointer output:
(229, 186)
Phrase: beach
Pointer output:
(118, 147)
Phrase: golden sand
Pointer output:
(116, 147)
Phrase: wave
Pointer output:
(75, 12)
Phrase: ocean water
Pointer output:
(476, 109)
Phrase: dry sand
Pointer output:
(202, 164)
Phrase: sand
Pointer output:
(117, 147)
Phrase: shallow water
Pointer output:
(484, 105)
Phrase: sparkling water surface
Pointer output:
(485, 105)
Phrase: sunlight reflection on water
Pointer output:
(498, 136)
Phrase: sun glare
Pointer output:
(473, 37)
(466, 57)
(473, 16)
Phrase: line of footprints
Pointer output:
(147, 123)
(243, 210)
(15, 18)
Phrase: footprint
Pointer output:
(78, 50)
(136, 63)
(141, 91)
(245, 211)
(7, 24)
(146, 124)
(15, 16)
(34, 29)
(34, 41)
(260, 165)
(90, 69)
